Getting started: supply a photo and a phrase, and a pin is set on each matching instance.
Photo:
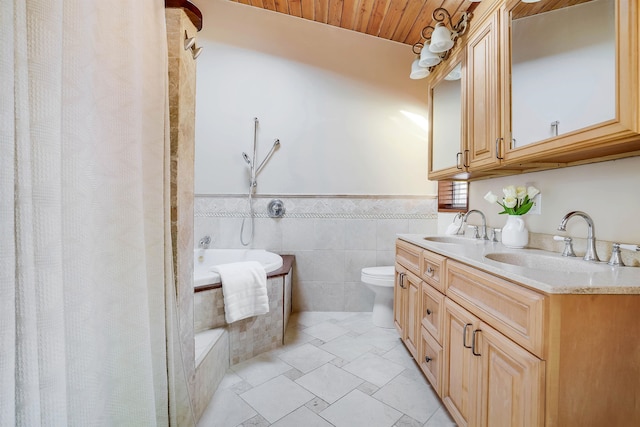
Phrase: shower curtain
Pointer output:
(87, 327)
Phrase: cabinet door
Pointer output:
(414, 315)
(446, 118)
(399, 300)
(460, 367)
(483, 88)
(511, 385)
(552, 108)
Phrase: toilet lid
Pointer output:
(381, 276)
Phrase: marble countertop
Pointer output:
(550, 279)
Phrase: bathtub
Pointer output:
(207, 258)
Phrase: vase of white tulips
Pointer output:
(517, 201)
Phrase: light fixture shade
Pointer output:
(418, 72)
(530, 1)
(455, 74)
(440, 39)
(428, 58)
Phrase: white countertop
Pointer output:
(611, 280)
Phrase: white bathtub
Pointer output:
(207, 258)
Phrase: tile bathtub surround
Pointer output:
(332, 237)
(336, 369)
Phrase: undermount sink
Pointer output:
(547, 262)
(456, 240)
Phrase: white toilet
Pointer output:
(381, 280)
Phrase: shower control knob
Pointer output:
(276, 208)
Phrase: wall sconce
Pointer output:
(437, 43)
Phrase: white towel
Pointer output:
(244, 287)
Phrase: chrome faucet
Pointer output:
(591, 254)
(484, 222)
(204, 242)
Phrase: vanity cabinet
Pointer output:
(499, 353)
(407, 296)
(535, 98)
(491, 380)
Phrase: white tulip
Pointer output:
(532, 192)
(509, 191)
(490, 197)
(510, 201)
(521, 192)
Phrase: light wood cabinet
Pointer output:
(501, 354)
(511, 385)
(400, 300)
(412, 330)
(460, 367)
(493, 141)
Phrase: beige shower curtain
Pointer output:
(87, 322)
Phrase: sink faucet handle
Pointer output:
(616, 258)
(494, 234)
(476, 234)
(568, 245)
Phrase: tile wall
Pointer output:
(182, 80)
(332, 238)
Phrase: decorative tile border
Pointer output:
(340, 207)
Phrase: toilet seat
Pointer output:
(379, 276)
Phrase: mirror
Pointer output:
(563, 68)
(446, 119)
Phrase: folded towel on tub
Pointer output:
(244, 287)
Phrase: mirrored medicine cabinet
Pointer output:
(543, 85)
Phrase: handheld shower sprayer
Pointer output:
(246, 159)
(253, 183)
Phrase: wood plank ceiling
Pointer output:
(398, 20)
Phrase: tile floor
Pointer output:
(336, 369)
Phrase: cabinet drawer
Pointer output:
(432, 311)
(432, 268)
(408, 256)
(517, 312)
(431, 360)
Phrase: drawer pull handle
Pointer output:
(430, 271)
(473, 343)
(427, 359)
(464, 336)
(428, 311)
(401, 280)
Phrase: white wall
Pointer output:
(349, 119)
(607, 191)
(563, 69)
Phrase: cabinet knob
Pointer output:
(430, 270)
(427, 359)
(429, 311)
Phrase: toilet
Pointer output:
(381, 280)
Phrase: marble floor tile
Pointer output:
(347, 348)
(374, 369)
(260, 368)
(326, 331)
(412, 396)
(276, 398)
(357, 409)
(441, 419)
(302, 417)
(306, 357)
(354, 375)
(226, 409)
(384, 339)
(329, 382)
